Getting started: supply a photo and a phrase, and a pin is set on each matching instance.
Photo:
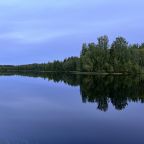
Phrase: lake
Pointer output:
(71, 109)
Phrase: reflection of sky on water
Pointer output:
(37, 111)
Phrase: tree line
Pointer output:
(99, 57)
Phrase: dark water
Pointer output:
(71, 109)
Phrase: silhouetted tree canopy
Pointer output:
(100, 57)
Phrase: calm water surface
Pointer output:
(88, 110)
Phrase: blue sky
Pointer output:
(43, 30)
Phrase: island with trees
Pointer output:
(101, 57)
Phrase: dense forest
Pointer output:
(100, 57)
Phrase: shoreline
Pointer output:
(70, 72)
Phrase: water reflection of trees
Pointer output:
(118, 90)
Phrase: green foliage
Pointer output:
(118, 58)
(100, 57)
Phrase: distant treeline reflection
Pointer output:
(100, 89)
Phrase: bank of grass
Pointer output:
(70, 72)
(95, 73)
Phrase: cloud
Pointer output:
(35, 36)
(27, 25)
